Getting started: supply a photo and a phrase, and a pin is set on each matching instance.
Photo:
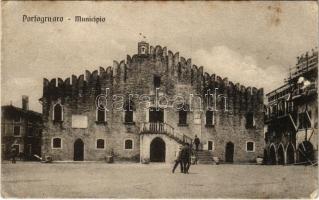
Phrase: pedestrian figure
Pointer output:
(194, 158)
(186, 156)
(13, 154)
(178, 159)
(197, 142)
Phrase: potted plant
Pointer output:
(259, 160)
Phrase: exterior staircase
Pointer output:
(204, 157)
(166, 129)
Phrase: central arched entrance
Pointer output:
(229, 155)
(78, 150)
(157, 150)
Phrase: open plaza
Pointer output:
(134, 180)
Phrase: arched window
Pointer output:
(100, 115)
(128, 144)
(128, 112)
(100, 144)
(58, 113)
(56, 143)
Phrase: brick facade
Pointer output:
(137, 75)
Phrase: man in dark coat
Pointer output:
(186, 156)
(197, 142)
(13, 154)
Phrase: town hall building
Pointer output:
(154, 102)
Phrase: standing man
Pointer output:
(178, 159)
(13, 154)
(186, 156)
(197, 142)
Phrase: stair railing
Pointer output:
(164, 128)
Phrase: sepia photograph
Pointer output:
(159, 99)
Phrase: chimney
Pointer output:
(25, 102)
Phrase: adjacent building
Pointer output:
(21, 129)
(292, 115)
(155, 101)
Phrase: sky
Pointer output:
(253, 43)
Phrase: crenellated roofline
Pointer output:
(177, 66)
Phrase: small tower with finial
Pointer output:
(143, 47)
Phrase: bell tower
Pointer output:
(143, 48)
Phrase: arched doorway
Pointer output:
(281, 155)
(272, 155)
(229, 155)
(290, 154)
(78, 150)
(157, 150)
(305, 152)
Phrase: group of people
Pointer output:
(184, 154)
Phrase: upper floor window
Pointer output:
(58, 113)
(210, 118)
(16, 131)
(56, 143)
(250, 120)
(30, 132)
(101, 115)
(157, 81)
(182, 117)
(250, 146)
(128, 112)
(100, 144)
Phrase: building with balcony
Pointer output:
(145, 107)
(292, 115)
(21, 129)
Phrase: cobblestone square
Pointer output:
(134, 180)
